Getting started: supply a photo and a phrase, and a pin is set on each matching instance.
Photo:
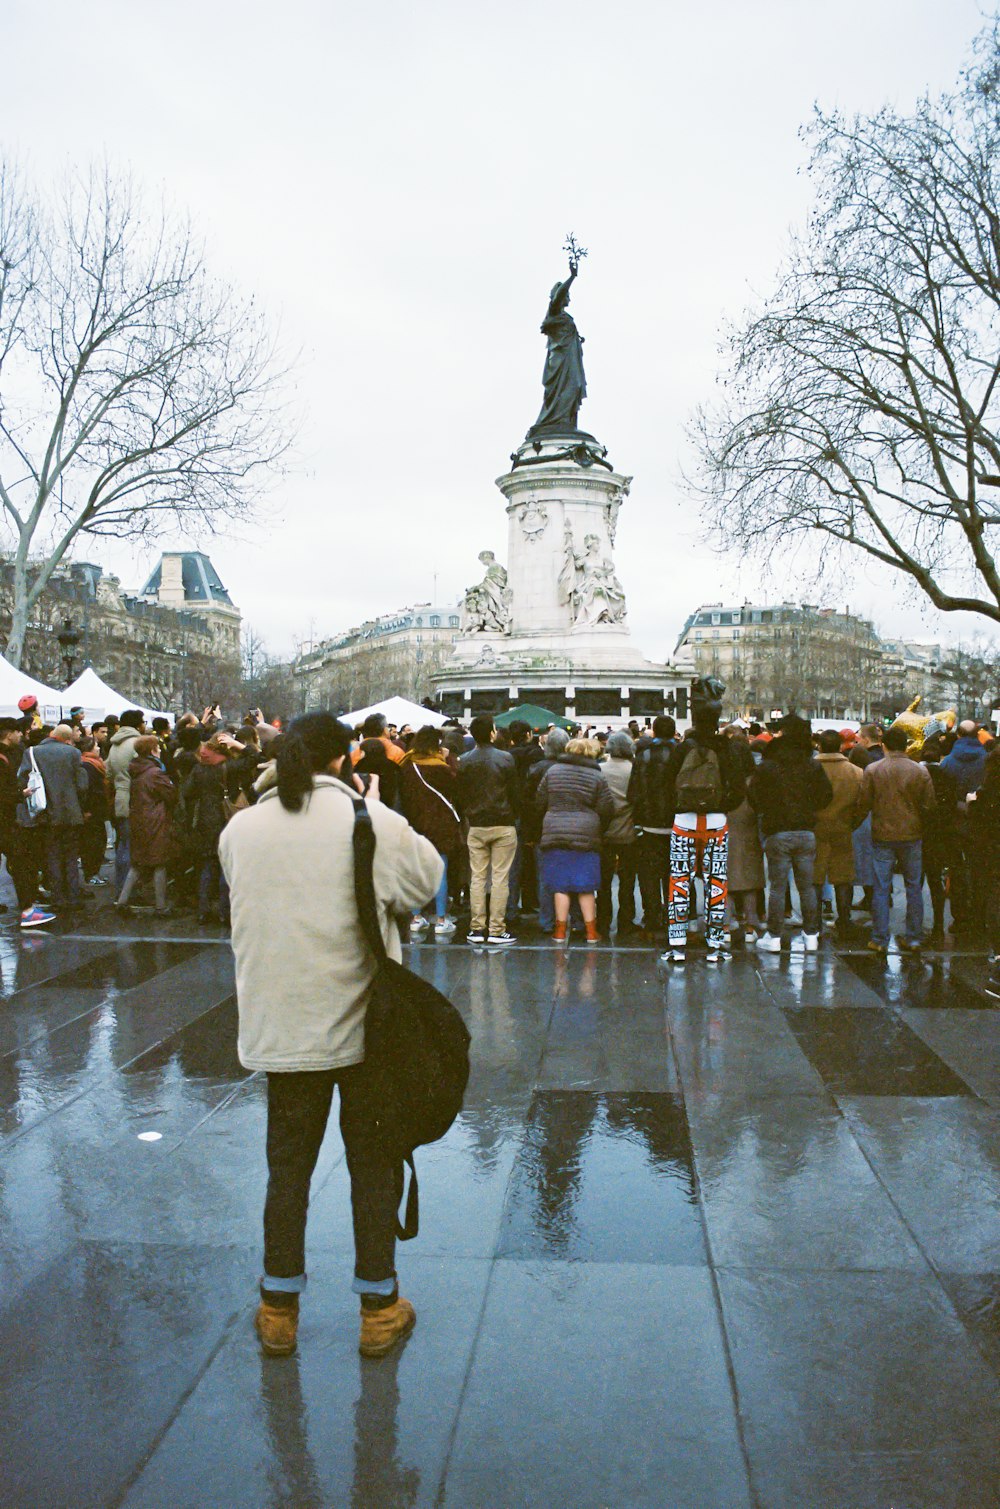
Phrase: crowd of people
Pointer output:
(540, 832)
(606, 830)
(162, 796)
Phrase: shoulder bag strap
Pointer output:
(364, 879)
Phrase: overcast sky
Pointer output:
(395, 183)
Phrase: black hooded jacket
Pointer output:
(788, 788)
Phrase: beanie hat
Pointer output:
(27, 703)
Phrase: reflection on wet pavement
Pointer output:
(931, 984)
(763, 1202)
(604, 1177)
(860, 1052)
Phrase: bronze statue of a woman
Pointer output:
(563, 379)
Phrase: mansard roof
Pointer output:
(202, 583)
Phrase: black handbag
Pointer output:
(416, 1043)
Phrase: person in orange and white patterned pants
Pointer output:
(698, 846)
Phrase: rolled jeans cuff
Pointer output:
(383, 1286)
(283, 1285)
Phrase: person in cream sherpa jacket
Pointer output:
(303, 976)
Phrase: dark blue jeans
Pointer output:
(212, 883)
(62, 848)
(793, 851)
(122, 853)
(884, 857)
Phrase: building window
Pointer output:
(736, 618)
(716, 618)
(453, 621)
(435, 621)
(419, 623)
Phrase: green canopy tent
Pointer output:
(539, 718)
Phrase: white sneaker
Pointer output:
(418, 924)
(717, 955)
(812, 942)
(674, 956)
(750, 939)
(444, 927)
(769, 944)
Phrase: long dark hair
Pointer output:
(309, 745)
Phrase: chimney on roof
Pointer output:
(171, 593)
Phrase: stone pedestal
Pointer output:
(563, 502)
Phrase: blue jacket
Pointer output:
(966, 763)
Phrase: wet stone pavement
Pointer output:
(719, 1238)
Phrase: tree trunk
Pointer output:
(14, 651)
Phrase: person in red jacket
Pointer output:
(152, 795)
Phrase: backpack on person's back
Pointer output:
(698, 787)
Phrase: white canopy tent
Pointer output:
(98, 699)
(399, 711)
(15, 684)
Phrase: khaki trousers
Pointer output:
(488, 847)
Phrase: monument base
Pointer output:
(592, 677)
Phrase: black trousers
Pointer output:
(620, 858)
(298, 1108)
(654, 879)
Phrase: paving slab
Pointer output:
(619, 1395)
(861, 1389)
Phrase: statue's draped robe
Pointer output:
(563, 379)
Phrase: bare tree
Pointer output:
(136, 392)
(862, 400)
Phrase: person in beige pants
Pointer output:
(489, 799)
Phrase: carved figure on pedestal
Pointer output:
(589, 584)
(487, 605)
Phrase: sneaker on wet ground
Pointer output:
(674, 956)
(805, 943)
(769, 944)
(36, 916)
(906, 947)
(717, 956)
(501, 940)
(97, 880)
(475, 935)
(444, 927)
(876, 948)
(418, 924)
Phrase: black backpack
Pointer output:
(416, 1043)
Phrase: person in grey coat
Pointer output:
(61, 767)
(576, 806)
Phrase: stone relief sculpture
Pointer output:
(589, 584)
(487, 605)
(534, 519)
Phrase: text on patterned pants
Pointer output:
(702, 850)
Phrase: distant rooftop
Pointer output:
(202, 583)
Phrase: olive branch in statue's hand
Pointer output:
(575, 252)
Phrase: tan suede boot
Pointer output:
(277, 1326)
(382, 1329)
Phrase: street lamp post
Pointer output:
(68, 639)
